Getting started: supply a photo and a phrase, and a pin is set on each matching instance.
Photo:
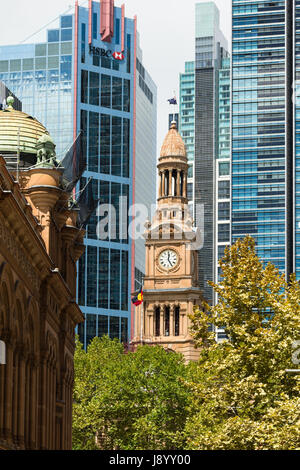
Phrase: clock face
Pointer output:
(168, 259)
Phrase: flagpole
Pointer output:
(142, 311)
(142, 321)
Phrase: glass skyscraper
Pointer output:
(88, 76)
(266, 127)
(205, 129)
(187, 121)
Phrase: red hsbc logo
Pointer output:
(118, 55)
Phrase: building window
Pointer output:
(83, 42)
(105, 144)
(95, 25)
(117, 31)
(94, 88)
(53, 35)
(66, 67)
(93, 142)
(115, 279)
(157, 321)
(223, 232)
(91, 323)
(66, 21)
(124, 330)
(224, 169)
(92, 276)
(40, 50)
(124, 278)
(223, 210)
(126, 147)
(167, 321)
(224, 190)
(103, 273)
(66, 35)
(106, 91)
(126, 96)
(177, 321)
(102, 325)
(114, 327)
(84, 86)
(117, 93)
(116, 146)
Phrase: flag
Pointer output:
(172, 100)
(86, 204)
(138, 299)
(74, 164)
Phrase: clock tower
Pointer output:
(171, 281)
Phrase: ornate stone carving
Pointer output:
(14, 248)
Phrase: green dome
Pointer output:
(18, 129)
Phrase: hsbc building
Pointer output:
(89, 76)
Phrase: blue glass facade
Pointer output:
(187, 120)
(105, 115)
(41, 75)
(261, 160)
(98, 96)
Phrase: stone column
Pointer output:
(160, 184)
(21, 401)
(161, 323)
(8, 392)
(151, 324)
(15, 394)
(184, 184)
(178, 184)
(170, 183)
(172, 310)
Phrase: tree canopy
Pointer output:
(237, 396)
(242, 396)
(129, 401)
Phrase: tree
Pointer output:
(128, 401)
(241, 396)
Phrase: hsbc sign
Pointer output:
(99, 51)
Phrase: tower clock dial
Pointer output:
(168, 259)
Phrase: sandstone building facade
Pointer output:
(40, 244)
(171, 282)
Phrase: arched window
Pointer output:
(167, 321)
(157, 321)
(177, 321)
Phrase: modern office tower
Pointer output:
(265, 129)
(211, 48)
(222, 190)
(222, 170)
(4, 94)
(187, 121)
(86, 77)
(145, 169)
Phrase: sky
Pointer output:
(166, 30)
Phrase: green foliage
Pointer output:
(240, 388)
(129, 401)
(237, 396)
